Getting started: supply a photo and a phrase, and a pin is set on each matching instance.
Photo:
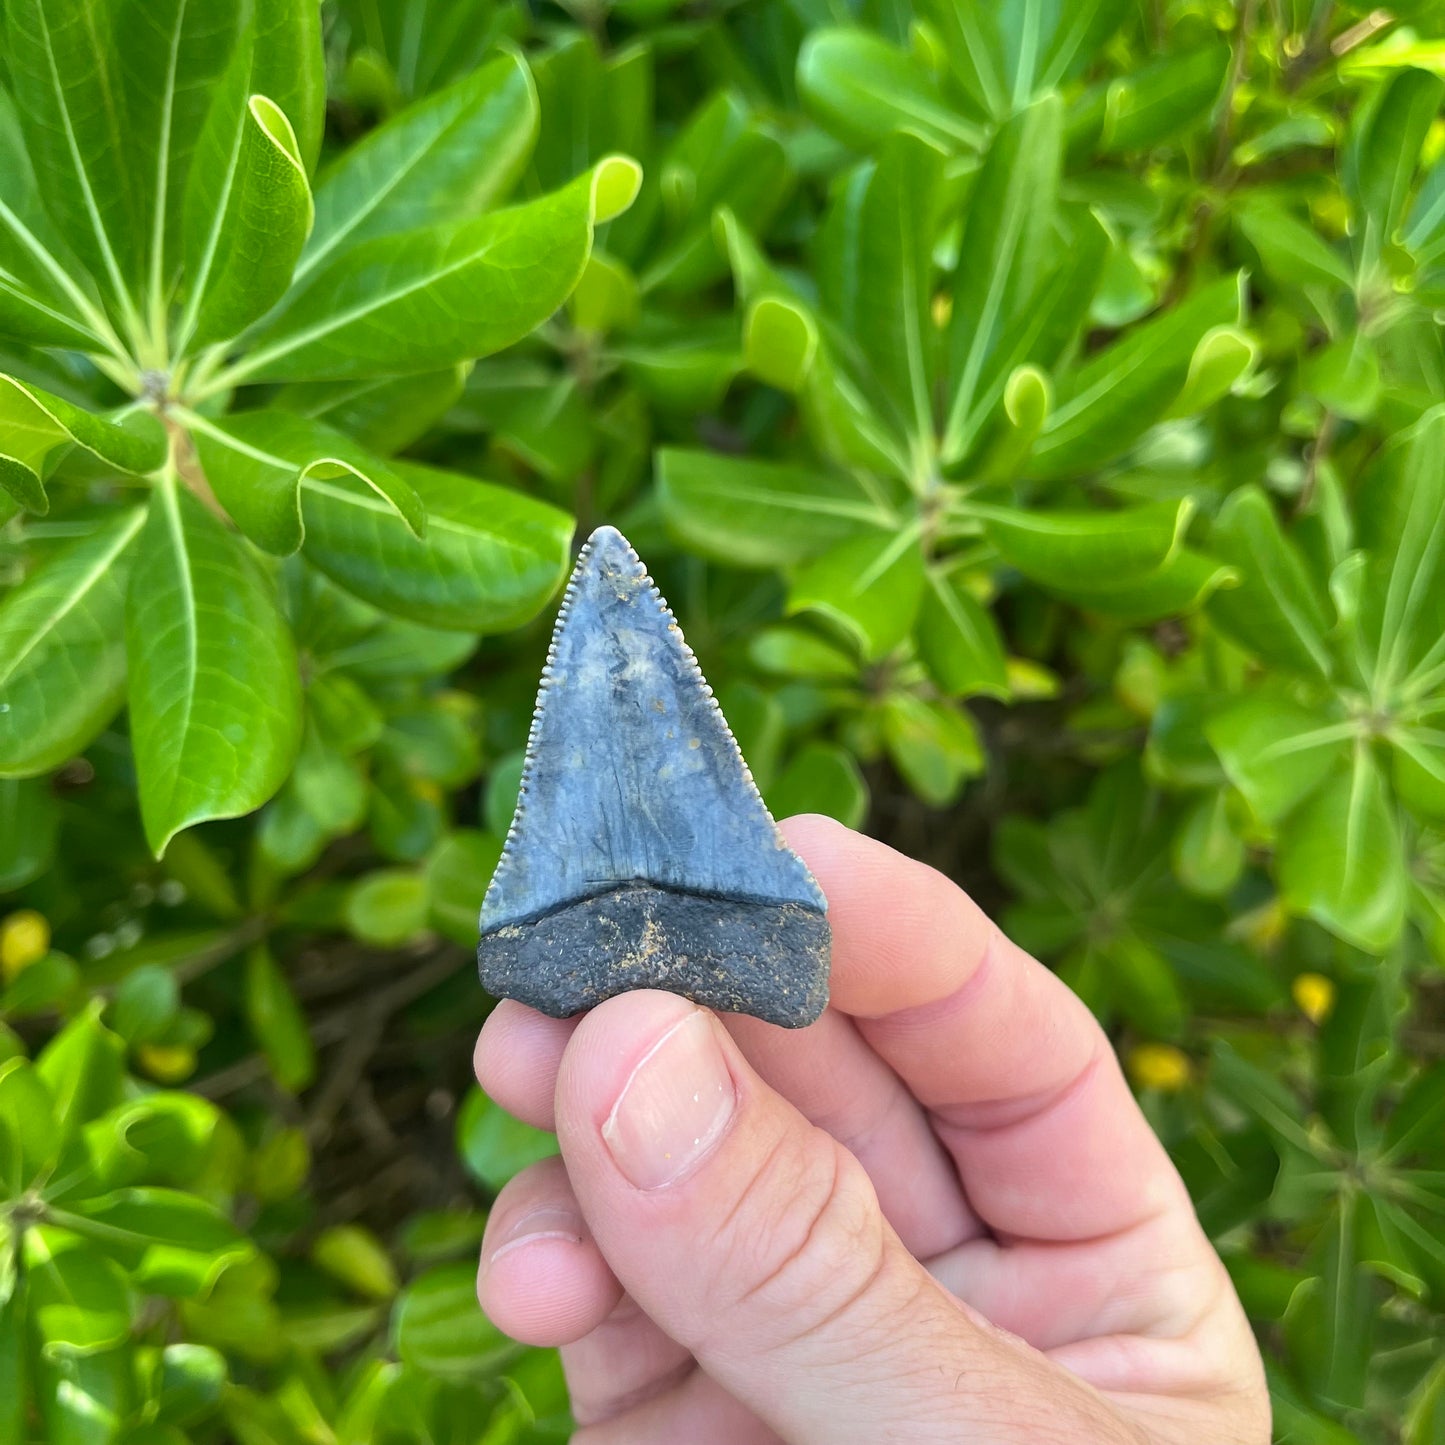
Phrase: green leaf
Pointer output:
(80, 1301)
(760, 514)
(780, 342)
(13, 1371)
(1181, 585)
(491, 560)
(145, 1004)
(190, 1382)
(1276, 611)
(388, 907)
(959, 640)
(1158, 101)
(33, 424)
(1223, 358)
(787, 651)
(870, 586)
(1007, 226)
(1419, 774)
(1275, 751)
(169, 1242)
(438, 295)
(1417, 1123)
(384, 414)
(62, 60)
(1383, 151)
(215, 697)
(1079, 551)
(1402, 513)
(862, 89)
(1207, 853)
(82, 1067)
(170, 55)
(277, 1021)
(439, 1329)
(248, 213)
(28, 1112)
(935, 747)
(494, 1146)
(1118, 393)
(258, 462)
(1036, 329)
(45, 296)
(290, 67)
(1141, 985)
(1290, 251)
(356, 1257)
(28, 825)
(456, 878)
(1341, 860)
(821, 778)
(1330, 1327)
(875, 274)
(452, 154)
(62, 650)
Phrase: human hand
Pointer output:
(935, 1215)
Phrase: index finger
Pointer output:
(1022, 1084)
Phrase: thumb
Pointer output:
(756, 1241)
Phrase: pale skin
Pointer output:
(937, 1215)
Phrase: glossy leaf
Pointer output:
(258, 462)
(1341, 859)
(870, 586)
(1075, 551)
(439, 1328)
(875, 265)
(215, 701)
(81, 1068)
(80, 1300)
(1002, 252)
(1275, 751)
(277, 1021)
(248, 213)
(45, 296)
(452, 154)
(62, 60)
(491, 558)
(62, 650)
(494, 1145)
(457, 874)
(440, 294)
(821, 778)
(759, 513)
(1276, 610)
(1115, 395)
(935, 747)
(864, 89)
(34, 424)
(959, 640)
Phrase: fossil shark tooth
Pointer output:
(641, 854)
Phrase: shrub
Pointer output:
(1033, 414)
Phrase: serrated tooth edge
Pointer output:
(528, 759)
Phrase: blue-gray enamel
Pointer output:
(634, 782)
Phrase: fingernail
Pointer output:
(552, 1221)
(674, 1106)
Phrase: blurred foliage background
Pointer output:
(1032, 413)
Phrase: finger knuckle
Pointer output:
(817, 1252)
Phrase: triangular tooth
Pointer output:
(627, 753)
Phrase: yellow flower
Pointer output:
(1315, 995)
(1159, 1066)
(24, 939)
(167, 1063)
